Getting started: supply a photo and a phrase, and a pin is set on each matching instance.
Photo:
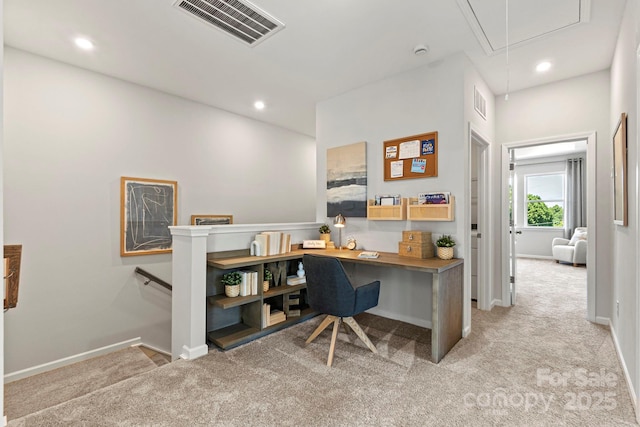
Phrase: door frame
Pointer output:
(591, 213)
(484, 249)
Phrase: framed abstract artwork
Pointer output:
(147, 209)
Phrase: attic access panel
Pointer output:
(239, 19)
(528, 20)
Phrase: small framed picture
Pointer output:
(211, 219)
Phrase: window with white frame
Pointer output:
(545, 201)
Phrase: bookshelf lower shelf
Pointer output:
(238, 334)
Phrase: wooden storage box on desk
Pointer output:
(416, 244)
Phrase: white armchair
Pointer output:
(573, 251)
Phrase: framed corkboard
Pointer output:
(411, 157)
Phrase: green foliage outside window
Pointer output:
(541, 215)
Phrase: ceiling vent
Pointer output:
(240, 19)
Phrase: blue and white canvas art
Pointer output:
(347, 180)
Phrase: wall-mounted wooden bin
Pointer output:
(387, 212)
(435, 212)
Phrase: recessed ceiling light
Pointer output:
(259, 105)
(84, 43)
(543, 66)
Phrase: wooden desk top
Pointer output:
(389, 259)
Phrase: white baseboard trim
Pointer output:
(395, 316)
(603, 321)
(632, 393)
(534, 256)
(191, 353)
(24, 373)
(496, 303)
(466, 331)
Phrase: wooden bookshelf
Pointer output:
(237, 320)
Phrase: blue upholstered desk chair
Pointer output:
(330, 292)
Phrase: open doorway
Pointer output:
(540, 211)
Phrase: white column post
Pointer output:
(189, 295)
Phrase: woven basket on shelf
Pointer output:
(232, 290)
(445, 253)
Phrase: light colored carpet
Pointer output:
(521, 366)
(48, 389)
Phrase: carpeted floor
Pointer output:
(539, 363)
(51, 388)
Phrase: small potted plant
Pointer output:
(445, 246)
(325, 233)
(267, 279)
(231, 282)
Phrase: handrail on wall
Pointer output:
(151, 278)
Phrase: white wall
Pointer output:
(2, 159)
(70, 135)
(427, 99)
(624, 248)
(577, 105)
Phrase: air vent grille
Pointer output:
(242, 20)
(479, 103)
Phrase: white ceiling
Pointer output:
(327, 47)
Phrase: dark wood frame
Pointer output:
(195, 219)
(12, 256)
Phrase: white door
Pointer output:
(512, 227)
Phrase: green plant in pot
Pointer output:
(231, 282)
(325, 233)
(267, 279)
(445, 246)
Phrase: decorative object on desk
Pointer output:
(211, 219)
(416, 244)
(347, 180)
(445, 246)
(351, 243)
(339, 222)
(314, 244)
(231, 282)
(267, 279)
(325, 233)
(300, 271)
(147, 209)
(368, 254)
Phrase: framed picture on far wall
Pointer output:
(211, 219)
(147, 209)
(620, 172)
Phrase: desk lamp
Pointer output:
(339, 221)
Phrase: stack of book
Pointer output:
(295, 280)
(274, 242)
(433, 198)
(249, 284)
(270, 318)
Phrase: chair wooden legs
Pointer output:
(321, 327)
(336, 325)
(360, 333)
